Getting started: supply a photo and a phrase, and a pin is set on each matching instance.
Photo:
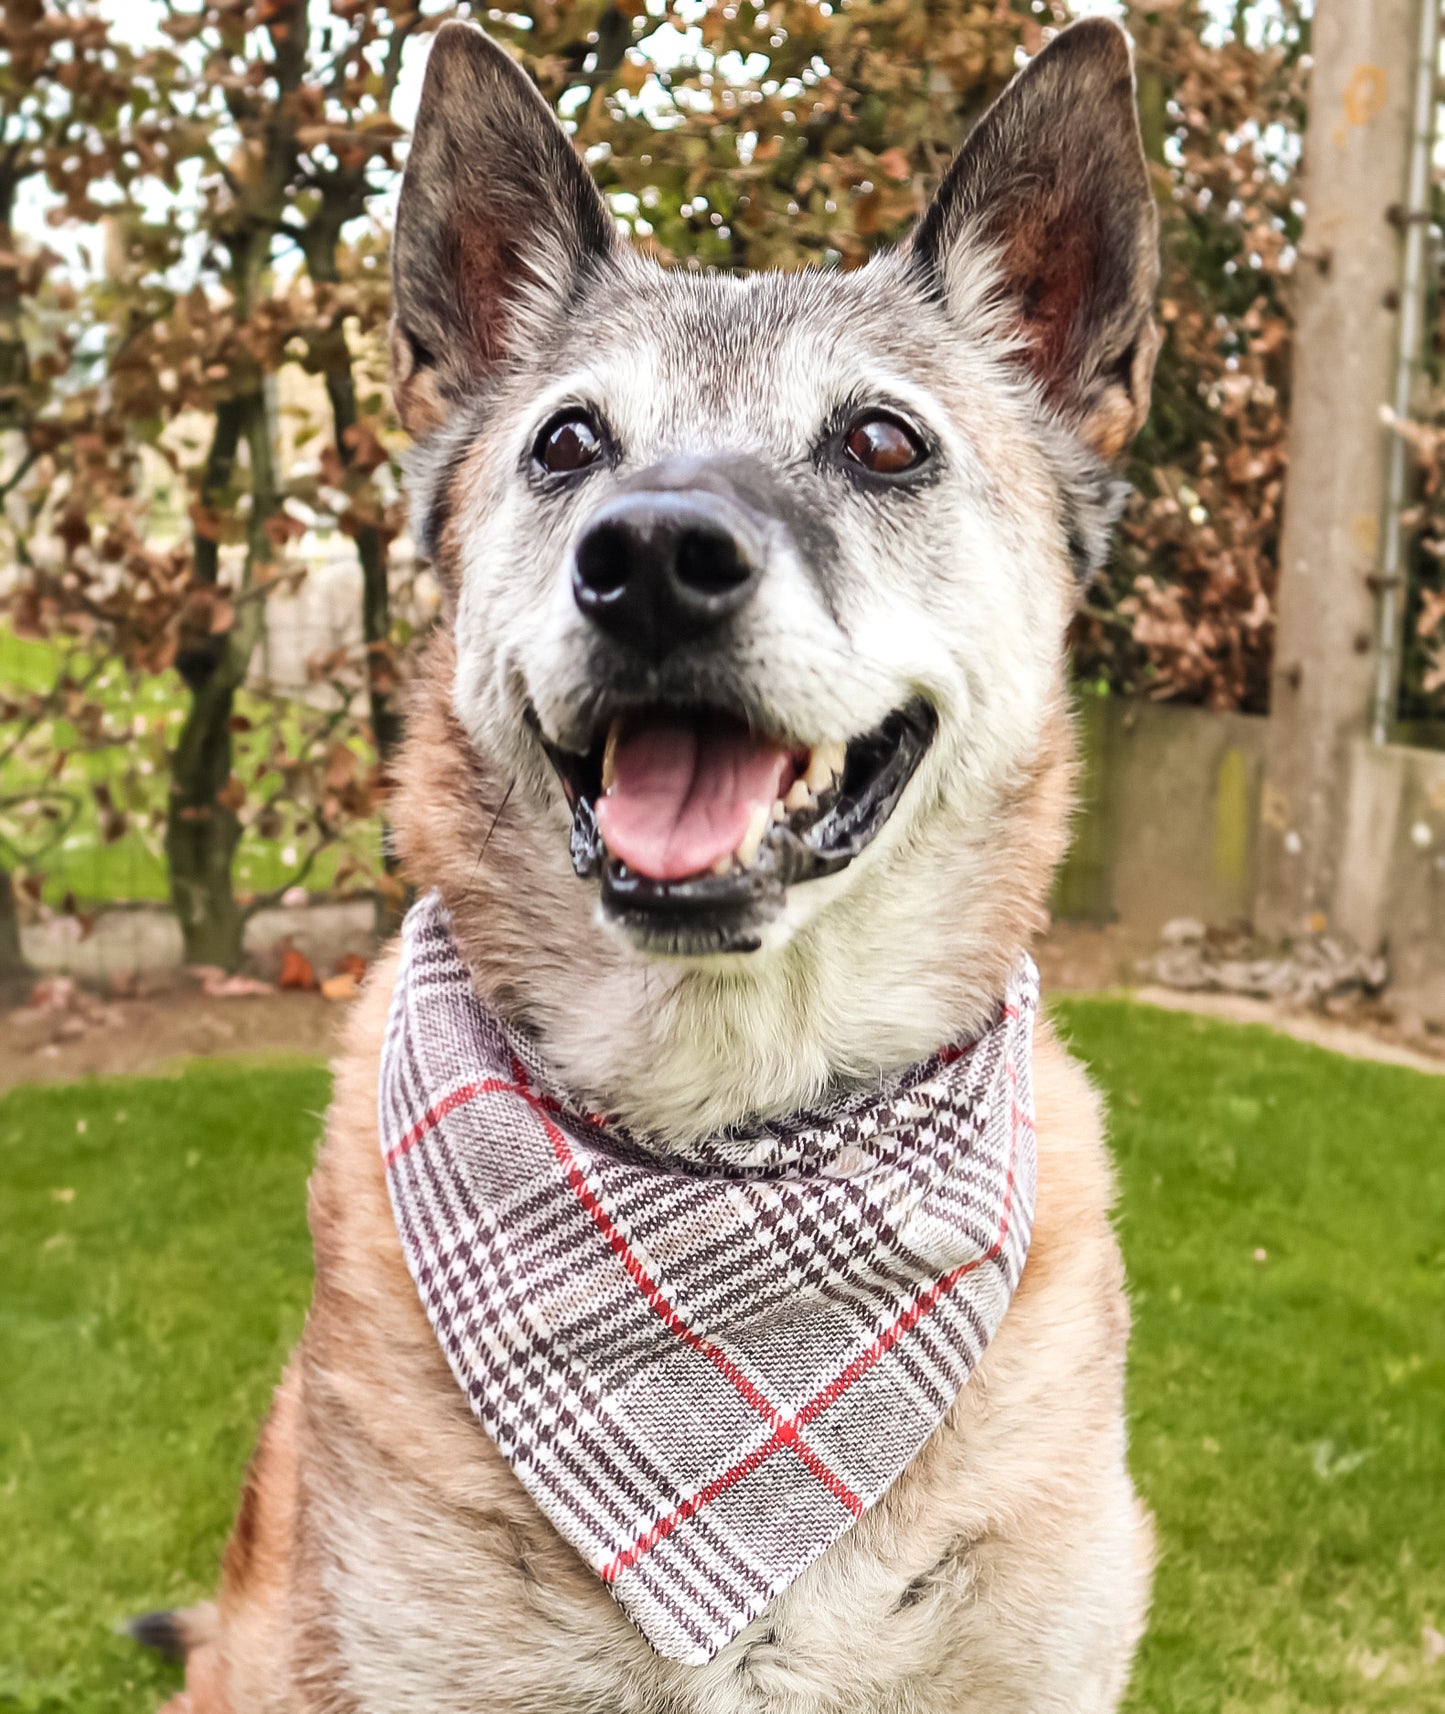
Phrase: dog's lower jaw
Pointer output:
(859, 977)
(734, 949)
(711, 943)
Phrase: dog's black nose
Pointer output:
(659, 569)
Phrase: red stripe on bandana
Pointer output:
(787, 1434)
(448, 1104)
(658, 1303)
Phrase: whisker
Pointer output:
(501, 810)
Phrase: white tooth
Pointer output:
(780, 810)
(609, 756)
(724, 865)
(757, 826)
(825, 763)
(799, 797)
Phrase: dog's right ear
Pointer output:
(498, 220)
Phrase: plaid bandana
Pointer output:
(704, 1365)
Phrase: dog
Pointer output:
(704, 540)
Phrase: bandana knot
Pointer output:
(704, 1365)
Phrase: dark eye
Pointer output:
(884, 446)
(568, 444)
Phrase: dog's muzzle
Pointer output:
(695, 814)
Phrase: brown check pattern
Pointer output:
(706, 1364)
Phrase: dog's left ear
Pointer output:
(1054, 185)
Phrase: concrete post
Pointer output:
(1355, 168)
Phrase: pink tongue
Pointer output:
(682, 798)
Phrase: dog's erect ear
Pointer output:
(1054, 182)
(497, 222)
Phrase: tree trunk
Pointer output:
(14, 379)
(1348, 289)
(333, 354)
(202, 827)
(13, 968)
(202, 831)
(371, 551)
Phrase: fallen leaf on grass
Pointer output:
(297, 974)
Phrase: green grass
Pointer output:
(154, 1272)
(1288, 1414)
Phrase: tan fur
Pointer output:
(385, 1558)
(415, 392)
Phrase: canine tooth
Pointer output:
(825, 763)
(780, 810)
(799, 797)
(609, 757)
(753, 838)
(724, 865)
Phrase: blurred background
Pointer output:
(209, 601)
(210, 607)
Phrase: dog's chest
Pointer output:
(495, 1614)
(704, 1366)
(1005, 1571)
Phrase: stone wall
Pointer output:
(145, 940)
(1392, 878)
(1171, 803)
(1168, 815)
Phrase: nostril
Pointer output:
(710, 563)
(604, 562)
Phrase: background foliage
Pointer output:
(190, 408)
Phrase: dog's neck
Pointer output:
(908, 956)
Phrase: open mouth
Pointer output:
(696, 824)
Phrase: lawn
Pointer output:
(1283, 1215)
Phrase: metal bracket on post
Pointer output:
(1414, 218)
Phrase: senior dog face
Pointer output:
(758, 585)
